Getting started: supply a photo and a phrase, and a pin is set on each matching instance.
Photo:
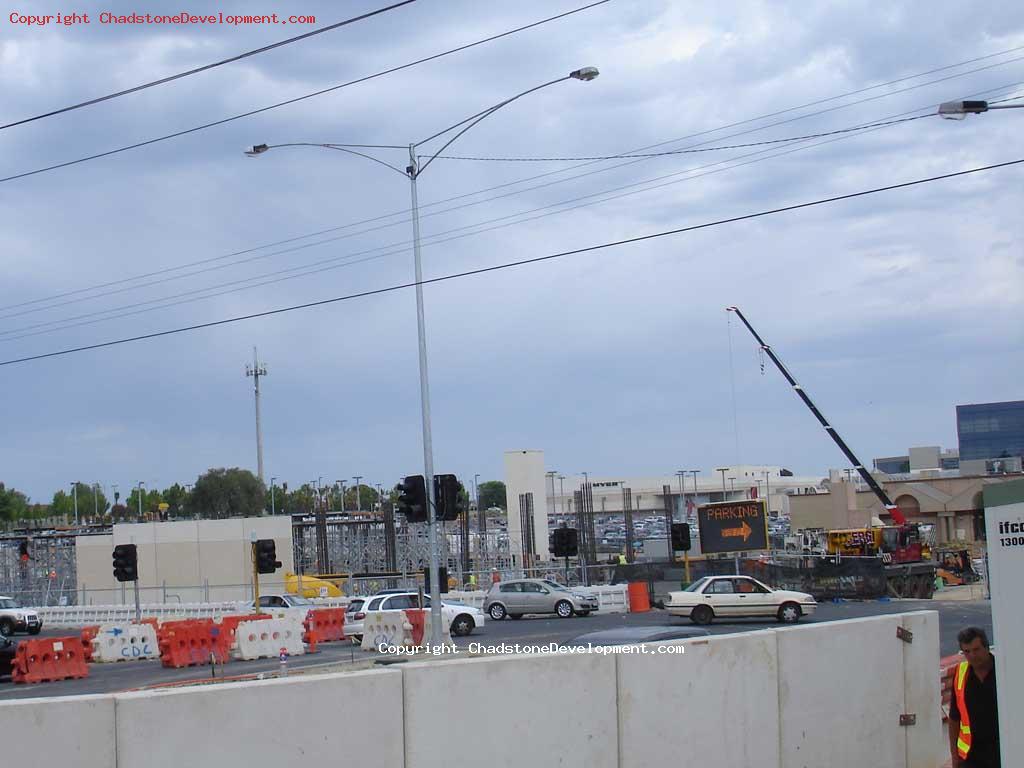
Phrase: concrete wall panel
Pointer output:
(348, 719)
(925, 740)
(72, 731)
(716, 704)
(841, 693)
(541, 710)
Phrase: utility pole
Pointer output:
(273, 508)
(95, 501)
(141, 483)
(682, 494)
(74, 489)
(359, 505)
(256, 370)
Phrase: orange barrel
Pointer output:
(639, 600)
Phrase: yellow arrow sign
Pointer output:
(744, 530)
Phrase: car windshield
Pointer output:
(296, 600)
(8, 602)
(697, 586)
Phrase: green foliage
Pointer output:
(492, 494)
(221, 493)
(13, 504)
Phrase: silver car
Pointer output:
(521, 596)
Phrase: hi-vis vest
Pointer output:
(963, 739)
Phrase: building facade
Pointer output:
(990, 430)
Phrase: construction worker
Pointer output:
(973, 717)
(622, 558)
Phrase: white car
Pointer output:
(14, 618)
(462, 619)
(715, 597)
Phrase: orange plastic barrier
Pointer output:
(324, 625)
(88, 634)
(44, 661)
(639, 598)
(186, 643)
(418, 618)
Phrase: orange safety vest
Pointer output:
(963, 739)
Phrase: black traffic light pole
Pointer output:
(138, 608)
(255, 581)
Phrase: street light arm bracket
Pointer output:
(259, 149)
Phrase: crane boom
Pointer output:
(891, 508)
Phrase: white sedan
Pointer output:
(462, 619)
(716, 597)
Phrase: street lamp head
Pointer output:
(585, 74)
(256, 149)
(958, 110)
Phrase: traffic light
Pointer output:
(126, 562)
(680, 537)
(446, 497)
(412, 499)
(266, 556)
(565, 542)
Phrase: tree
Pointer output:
(151, 501)
(13, 504)
(176, 498)
(232, 492)
(368, 497)
(492, 494)
(91, 502)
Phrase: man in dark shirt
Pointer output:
(980, 700)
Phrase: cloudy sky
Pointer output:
(889, 308)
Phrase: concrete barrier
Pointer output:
(841, 693)
(515, 711)
(348, 719)
(71, 731)
(78, 616)
(926, 745)
(716, 704)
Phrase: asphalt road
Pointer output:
(126, 676)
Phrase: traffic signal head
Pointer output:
(680, 537)
(126, 562)
(412, 498)
(565, 542)
(266, 556)
(446, 497)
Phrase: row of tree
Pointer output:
(218, 493)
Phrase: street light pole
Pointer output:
(412, 171)
(682, 497)
(273, 507)
(95, 501)
(141, 484)
(723, 470)
(359, 505)
(74, 490)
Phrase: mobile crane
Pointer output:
(903, 549)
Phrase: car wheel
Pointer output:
(516, 616)
(35, 630)
(564, 609)
(789, 613)
(6, 627)
(702, 614)
(497, 611)
(462, 625)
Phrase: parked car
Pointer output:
(731, 596)
(14, 618)
(462, 619)
(522, 596)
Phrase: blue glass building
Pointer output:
(990, 430)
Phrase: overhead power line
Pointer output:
(669, 152)
(511, 264)
(382, 73)
(286, 241)
(205, 67)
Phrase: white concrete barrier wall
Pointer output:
(827, 694)
(321, 720)
(548, 709)
(841, 693)
(716, 704)
(50, 732)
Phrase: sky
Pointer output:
(889, 308)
